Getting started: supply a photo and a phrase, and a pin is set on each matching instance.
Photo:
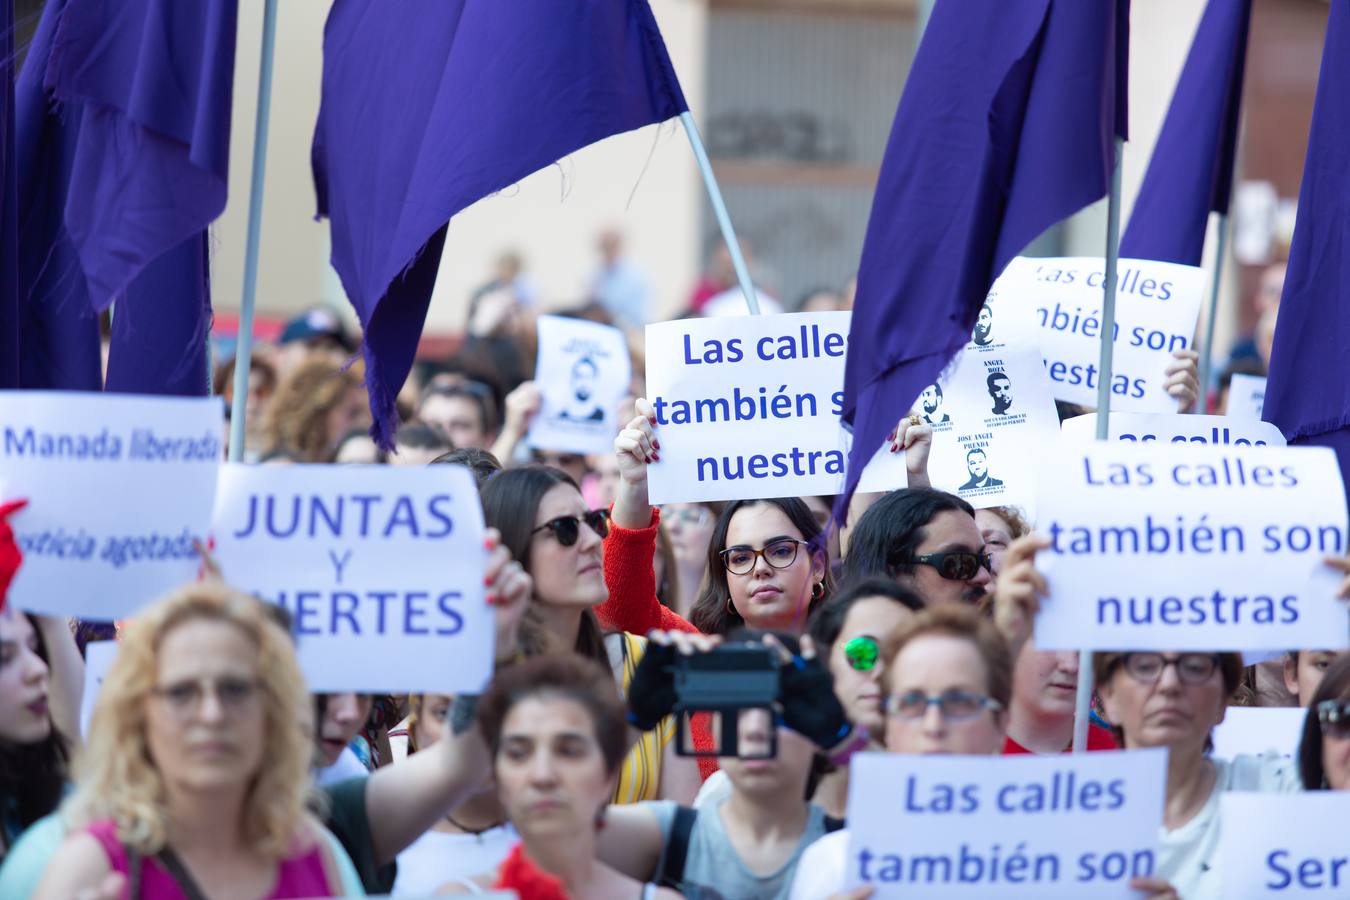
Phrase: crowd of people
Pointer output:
(208, 768)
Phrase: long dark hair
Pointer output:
(892, 529)
(34, 775)
(712, 612)
(828, 619)
(1335, 686)
(511, 501)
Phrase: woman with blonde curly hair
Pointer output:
(316, 404)
(195, 777)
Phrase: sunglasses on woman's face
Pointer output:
(1335, 718)
(862, 653)
(568, 528)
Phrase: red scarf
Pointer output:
(10, 555)
(528, 880)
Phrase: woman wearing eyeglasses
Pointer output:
(1324, 752)
(690, 527)
(545, 524)
(849, 629)
(194, 781)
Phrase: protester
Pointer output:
(926, 540)
(473, 837)
(1304, 671)
(999, 527)
(690, 527)
(522, 405)
(481, 463)
(1324, 751)
(357, 448)
(621, 287)
(315, 332)
(850, 629)
(194, 778)
(417, 444)
(262, 383)
(558, 738)
(545, 524)
(317, 402)
(339, 719)
(463, 412)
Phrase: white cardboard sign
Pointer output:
(1183, 546)
(992, 417)
(381, 568)
(1246, 396)
(583, 371)
(1067, 826)
(118, 486)
(1284, 845)
(1259, 729)
(98, 659)
(1171, 428)
(1055, 304)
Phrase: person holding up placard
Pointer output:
(545, 524)
(1324, 752)
(558, 737)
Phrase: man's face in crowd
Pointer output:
(1001, 391)
(458, 418)
(950, 531)
(930, 399)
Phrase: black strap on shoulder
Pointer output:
(133, 874)
(833, 824)
(174, 866)
(677, 848)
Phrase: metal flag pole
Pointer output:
(720, 210)
(243, 351)
(1207, 348)
(1083, 705)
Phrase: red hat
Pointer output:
(10, 556)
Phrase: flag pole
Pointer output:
(1083, 704)
(243, 351)
(1207, 349)
(720, 210)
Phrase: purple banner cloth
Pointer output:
(430, 105)
(1006, 126)
(1308, 390)
(9, 208)
(1191, 172)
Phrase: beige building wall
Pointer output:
(551, 218)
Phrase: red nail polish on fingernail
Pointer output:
(656, 445)
(891, 436)
(894, 447)
(487, 581)
(488, 544)
(656, 457)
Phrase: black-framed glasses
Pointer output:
(568, 528)
(184, 698)
(1334, 716)
(954, 706)
(862, 652)
(1192, 668)
(959, 565)
(778, 554)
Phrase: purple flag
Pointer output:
(1308, 391)
(1006, 125)
(1191, 172)
(430, 105)
(124, 122)
(9, 208)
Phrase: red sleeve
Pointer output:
(632, 605)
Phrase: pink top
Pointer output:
(298, 876)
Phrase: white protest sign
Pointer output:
(98, 658)
(992, 417)
(747, 407)
(118, 486)
(1284, 845)
(1183, 546)
(1055, 304)
(583, 371)
(1066, 826)
(1171, 428)
(381, 568)
(1259, 729)
(1246, 397)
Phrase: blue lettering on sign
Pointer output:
(373, 612)
(1309, 874)
(962, 866)
(348, 516)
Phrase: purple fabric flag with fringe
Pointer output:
(123, 133)
(431, 105)
(1191, 172)
(1006, 126)
(9, 208)
(1308, 389)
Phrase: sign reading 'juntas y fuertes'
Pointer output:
(118, 489)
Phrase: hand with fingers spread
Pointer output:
(916, 440)
(1018, 591)
(806, 694)
(651, 693)
(1183, 378)
(509, 588)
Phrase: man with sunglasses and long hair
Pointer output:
(927, 541)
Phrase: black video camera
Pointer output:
(737, 686)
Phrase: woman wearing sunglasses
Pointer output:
(849, 629)
(1324, 752)
(545, 524)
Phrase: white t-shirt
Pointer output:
(347, 765)
(1188, 856)
(438, 857)
(823, 868)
